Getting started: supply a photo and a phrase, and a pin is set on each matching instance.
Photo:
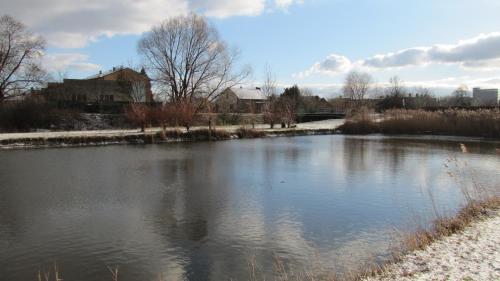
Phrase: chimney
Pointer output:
(114, 69)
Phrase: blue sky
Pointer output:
(439, 44)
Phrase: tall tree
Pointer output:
(396, 87)
(188, 61)
(271, 109)
(461, 96)
(270, 86)
(356, 87)
(20, 53)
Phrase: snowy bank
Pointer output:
(153, 135)
(473, 254)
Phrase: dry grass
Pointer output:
(446, 226)
(195, 135)
(479, 202)
(247, 133)
(49, 275)
(359, 127)
(458, 122)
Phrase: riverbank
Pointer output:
(473, 254)
(157, 135)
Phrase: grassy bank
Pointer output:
(154, 137)
(459, 122)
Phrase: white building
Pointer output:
(485, 97)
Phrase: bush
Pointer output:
(360, 127)
(33, 113)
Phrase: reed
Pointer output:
(458, 122)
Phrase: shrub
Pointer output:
(359, 127)
(246, 133)
(33, 113)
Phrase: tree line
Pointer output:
(359, 87)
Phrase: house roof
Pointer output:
(249, 94)
(106, 73)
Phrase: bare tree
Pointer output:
(138, 111)
(138, 114)
(163, 115)
(396, 87)
(462, 91)
(185, 113)
(288, 110)
(461, 96)
(356, 87)
(424, 97)
(272, 111)
(20, 53)
(139, 92)
(269, 88)
(188, 61)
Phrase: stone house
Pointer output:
(118, 86)
(240, 100)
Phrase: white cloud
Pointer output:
(72, 24)
(67, 62)
(333, 64)
(414, 56)
(228, 8)
(479, 52)
(68, 40)
(68, 23)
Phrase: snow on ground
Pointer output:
(471, 255)
(326, 124)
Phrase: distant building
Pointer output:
(118, 86)
(241, 100)
(485, 97)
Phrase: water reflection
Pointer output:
(199, 211)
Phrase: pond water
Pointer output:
(203, 211)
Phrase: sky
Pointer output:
(439, 44)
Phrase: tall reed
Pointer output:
(458, 122)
